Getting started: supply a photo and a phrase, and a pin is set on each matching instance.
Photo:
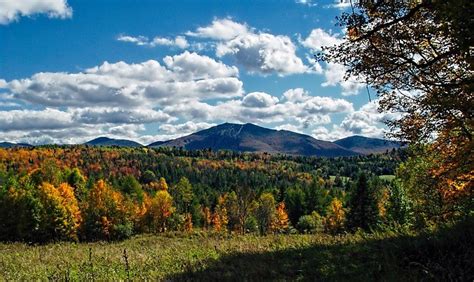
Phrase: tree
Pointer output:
(245, 205)
(417, 55)
(265, 213)
(60, 217)
(78, 182)
(106, 215)
(130, 186)
(295, 201)
(148, 177)
(220, 217)
(311, 223)
(335, 219)
(400, 211)
(20, 213)
(182, 195)
(162, 185)
(282, 220)
(160, 210)
(363, 209)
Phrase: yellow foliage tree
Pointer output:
(61, 216)
(220, 217)
(160, 210)
(334, 221)
(281, 219)
(106, 215)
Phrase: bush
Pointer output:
(311, 223)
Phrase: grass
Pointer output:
(442, 255)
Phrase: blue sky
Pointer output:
(153, 70)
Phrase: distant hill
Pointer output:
(365, 145)
(252, 138)
(105, 141)
(11, 145)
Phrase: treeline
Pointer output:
(90, 193)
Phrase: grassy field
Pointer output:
(445, 255)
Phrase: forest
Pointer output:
(168, 213)
(90, 193)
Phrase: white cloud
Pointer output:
(289, 127)
(194, 66)
(118, 115)
(259, 100)
(34, 120)
(334, 74)
(306, 2)
(132, 85)
(318, 38)
(258, 52)
(220, 29)
(367, 121)
(178, 41)
(114, 99)
(297, 107)
(185, 128)
(12, 10)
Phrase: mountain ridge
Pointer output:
(249, 137)
(106, 141)
(252, 138)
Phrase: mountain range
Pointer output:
(252, 138)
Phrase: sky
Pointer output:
(146, 70)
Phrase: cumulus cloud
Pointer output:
(193, 66)
(132, 85)
(366, 121)
(259, 100)
(296, 107)
(178, 41)
(118, 115)
(220, 29)
(335, 75)
(114, 98)
(185, 128)
(12, 10)
(258, 52)
(319, 38)
(33, 120)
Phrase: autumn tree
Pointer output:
(20, 212)
(160, 210)
(282, 220)
(60, 217)
(418, 55)
(106, 216)
(76, 180)
(265, 213)
(220, 217)
(335, 219)
(182, 194)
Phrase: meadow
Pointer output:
(443, 254)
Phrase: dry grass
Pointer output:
(202, 256)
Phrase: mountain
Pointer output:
(11, 145)
(364, 145)
(105, 141)
(252, 138)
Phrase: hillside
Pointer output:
(105, 141)
(365, 145)
(11, 145)
(252, 138)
